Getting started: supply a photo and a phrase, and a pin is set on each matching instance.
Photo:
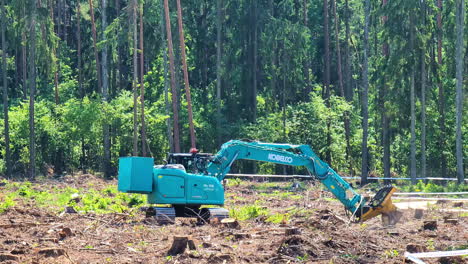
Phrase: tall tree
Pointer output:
(5, 93)
(365, 95)
(32, 90)
(460, 21)
(218, 69)
(347, 61)
(384, 112)
(24, 54)
(135, 77)
(326, 79)
(96, 55)
(105, 91)
(340, 83)
(166, 82)
(306, 63)
(423, 96)
(175, 110)
(412, 103)
(186, 77)
(78, 37)
(255, 60)
(442, 143)
(142, 86)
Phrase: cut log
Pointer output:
(51, 252)
(179, 244)
(430, 225)
(292, 231)
(242, 236)
(418, 213)
(7, 257)
(452, 221)
(414, 248)
(230, 223)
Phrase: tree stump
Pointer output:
(430, 225)
(418, 213)
(178, 246)
(292, 231)
(230, 223)
(191, 245)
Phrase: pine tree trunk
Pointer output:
(442, 143)
(135, 78)
(78, 37)
(186, 77)
(385, 118)
(105, 92)
(5, 94)
(218, 70)
(460, 17)
(142, 87)
(32, 91)
(24, 56)
(96, 55)
(56, 77)
(327, 74)
(166, 82)
(273, 55)
(347, 71)
(255, 63)
(423, 98)
(365, 93)
(413, 111)
(173, 82)
(306, 63)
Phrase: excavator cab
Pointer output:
(193, 162)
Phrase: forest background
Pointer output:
(375, 86)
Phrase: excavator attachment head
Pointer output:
(382, 204)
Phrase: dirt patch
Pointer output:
(31, 234)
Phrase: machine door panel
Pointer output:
(196, 191)
(170, 186)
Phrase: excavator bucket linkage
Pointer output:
(381, 204)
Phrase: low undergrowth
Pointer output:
(107, 200)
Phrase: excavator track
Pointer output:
(162, 215)
(209, 214)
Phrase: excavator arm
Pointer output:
(302, 155)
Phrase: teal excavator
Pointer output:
(181, 194)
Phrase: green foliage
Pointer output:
(433, 187)
(272, 59)
(248, 212)
(102, 201)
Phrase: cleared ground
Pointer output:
(109, 228)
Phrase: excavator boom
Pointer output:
(303, 155)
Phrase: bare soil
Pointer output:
(37, 235)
